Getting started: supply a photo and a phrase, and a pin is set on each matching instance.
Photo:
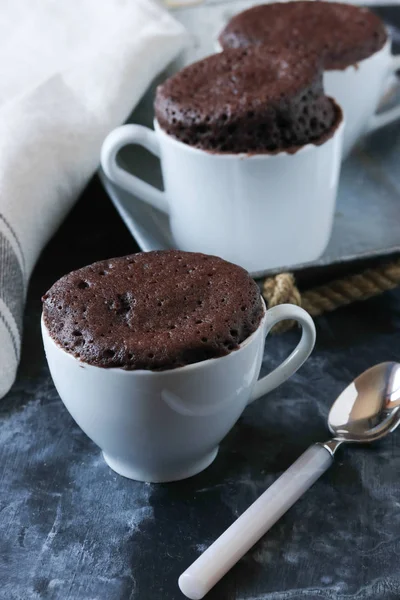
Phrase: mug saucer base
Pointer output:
(131, 472)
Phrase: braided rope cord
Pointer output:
(281, 289)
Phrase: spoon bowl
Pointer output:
(369, 407)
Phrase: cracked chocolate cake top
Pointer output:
(155, 310)
(253, 100)
(341, 33)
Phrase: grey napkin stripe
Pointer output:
(15, 237)
(8, 329)
(12, 283)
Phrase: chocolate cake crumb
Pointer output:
(155, 310)
(253, 100)
(342, 34)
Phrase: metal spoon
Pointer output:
(367, 410)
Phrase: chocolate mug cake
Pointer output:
(250, 149)
(127, 342)
(252, 100)
(341, 33)
(153, 310)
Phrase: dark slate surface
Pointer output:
(72, 529)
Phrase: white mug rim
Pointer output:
(387, 46)
(248, 155)
(148, 372)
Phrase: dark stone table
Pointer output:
(71, 529)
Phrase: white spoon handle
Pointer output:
(208, 569)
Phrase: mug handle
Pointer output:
(299, 354)
(117, 139)
(388, 116)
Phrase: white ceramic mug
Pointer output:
(164, 426)
(359, 89)
(260, 211)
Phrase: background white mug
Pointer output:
(165, 426)
(256, 210)
(359, 89)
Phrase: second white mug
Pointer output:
(260, 211)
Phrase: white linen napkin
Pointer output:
(71, 71)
